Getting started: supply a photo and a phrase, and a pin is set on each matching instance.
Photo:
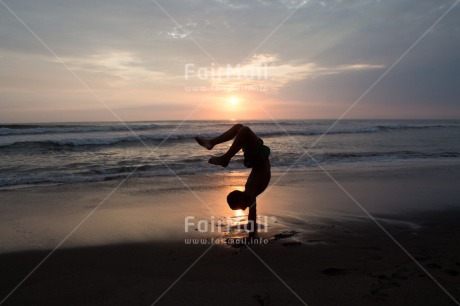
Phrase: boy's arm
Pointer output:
(252, 217)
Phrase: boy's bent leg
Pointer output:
(244, 136)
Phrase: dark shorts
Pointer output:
(256, 157)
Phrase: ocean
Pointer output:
(86, 152)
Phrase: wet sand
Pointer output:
(318, 244)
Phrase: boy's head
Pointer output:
(237, 200)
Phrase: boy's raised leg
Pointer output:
(226, 136)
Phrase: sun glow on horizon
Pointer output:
(232, 106)
(233, 100)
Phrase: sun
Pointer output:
(233, 100)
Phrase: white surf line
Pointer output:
(362, 95)
(276, 275)
(183, 274)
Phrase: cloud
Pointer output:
(268, 71)
(124, 66)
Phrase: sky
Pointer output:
(64, 61)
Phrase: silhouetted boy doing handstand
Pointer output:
(255, 157)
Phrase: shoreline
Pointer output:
(360, 166)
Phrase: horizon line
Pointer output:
(229, 120)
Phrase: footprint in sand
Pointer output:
(386, 283)
(262, 299)
(285, 234)
(288, 234)
(435, 266)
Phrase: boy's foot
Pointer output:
(204, 142)
(219, 161)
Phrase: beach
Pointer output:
(230, 152)
(317, 245)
